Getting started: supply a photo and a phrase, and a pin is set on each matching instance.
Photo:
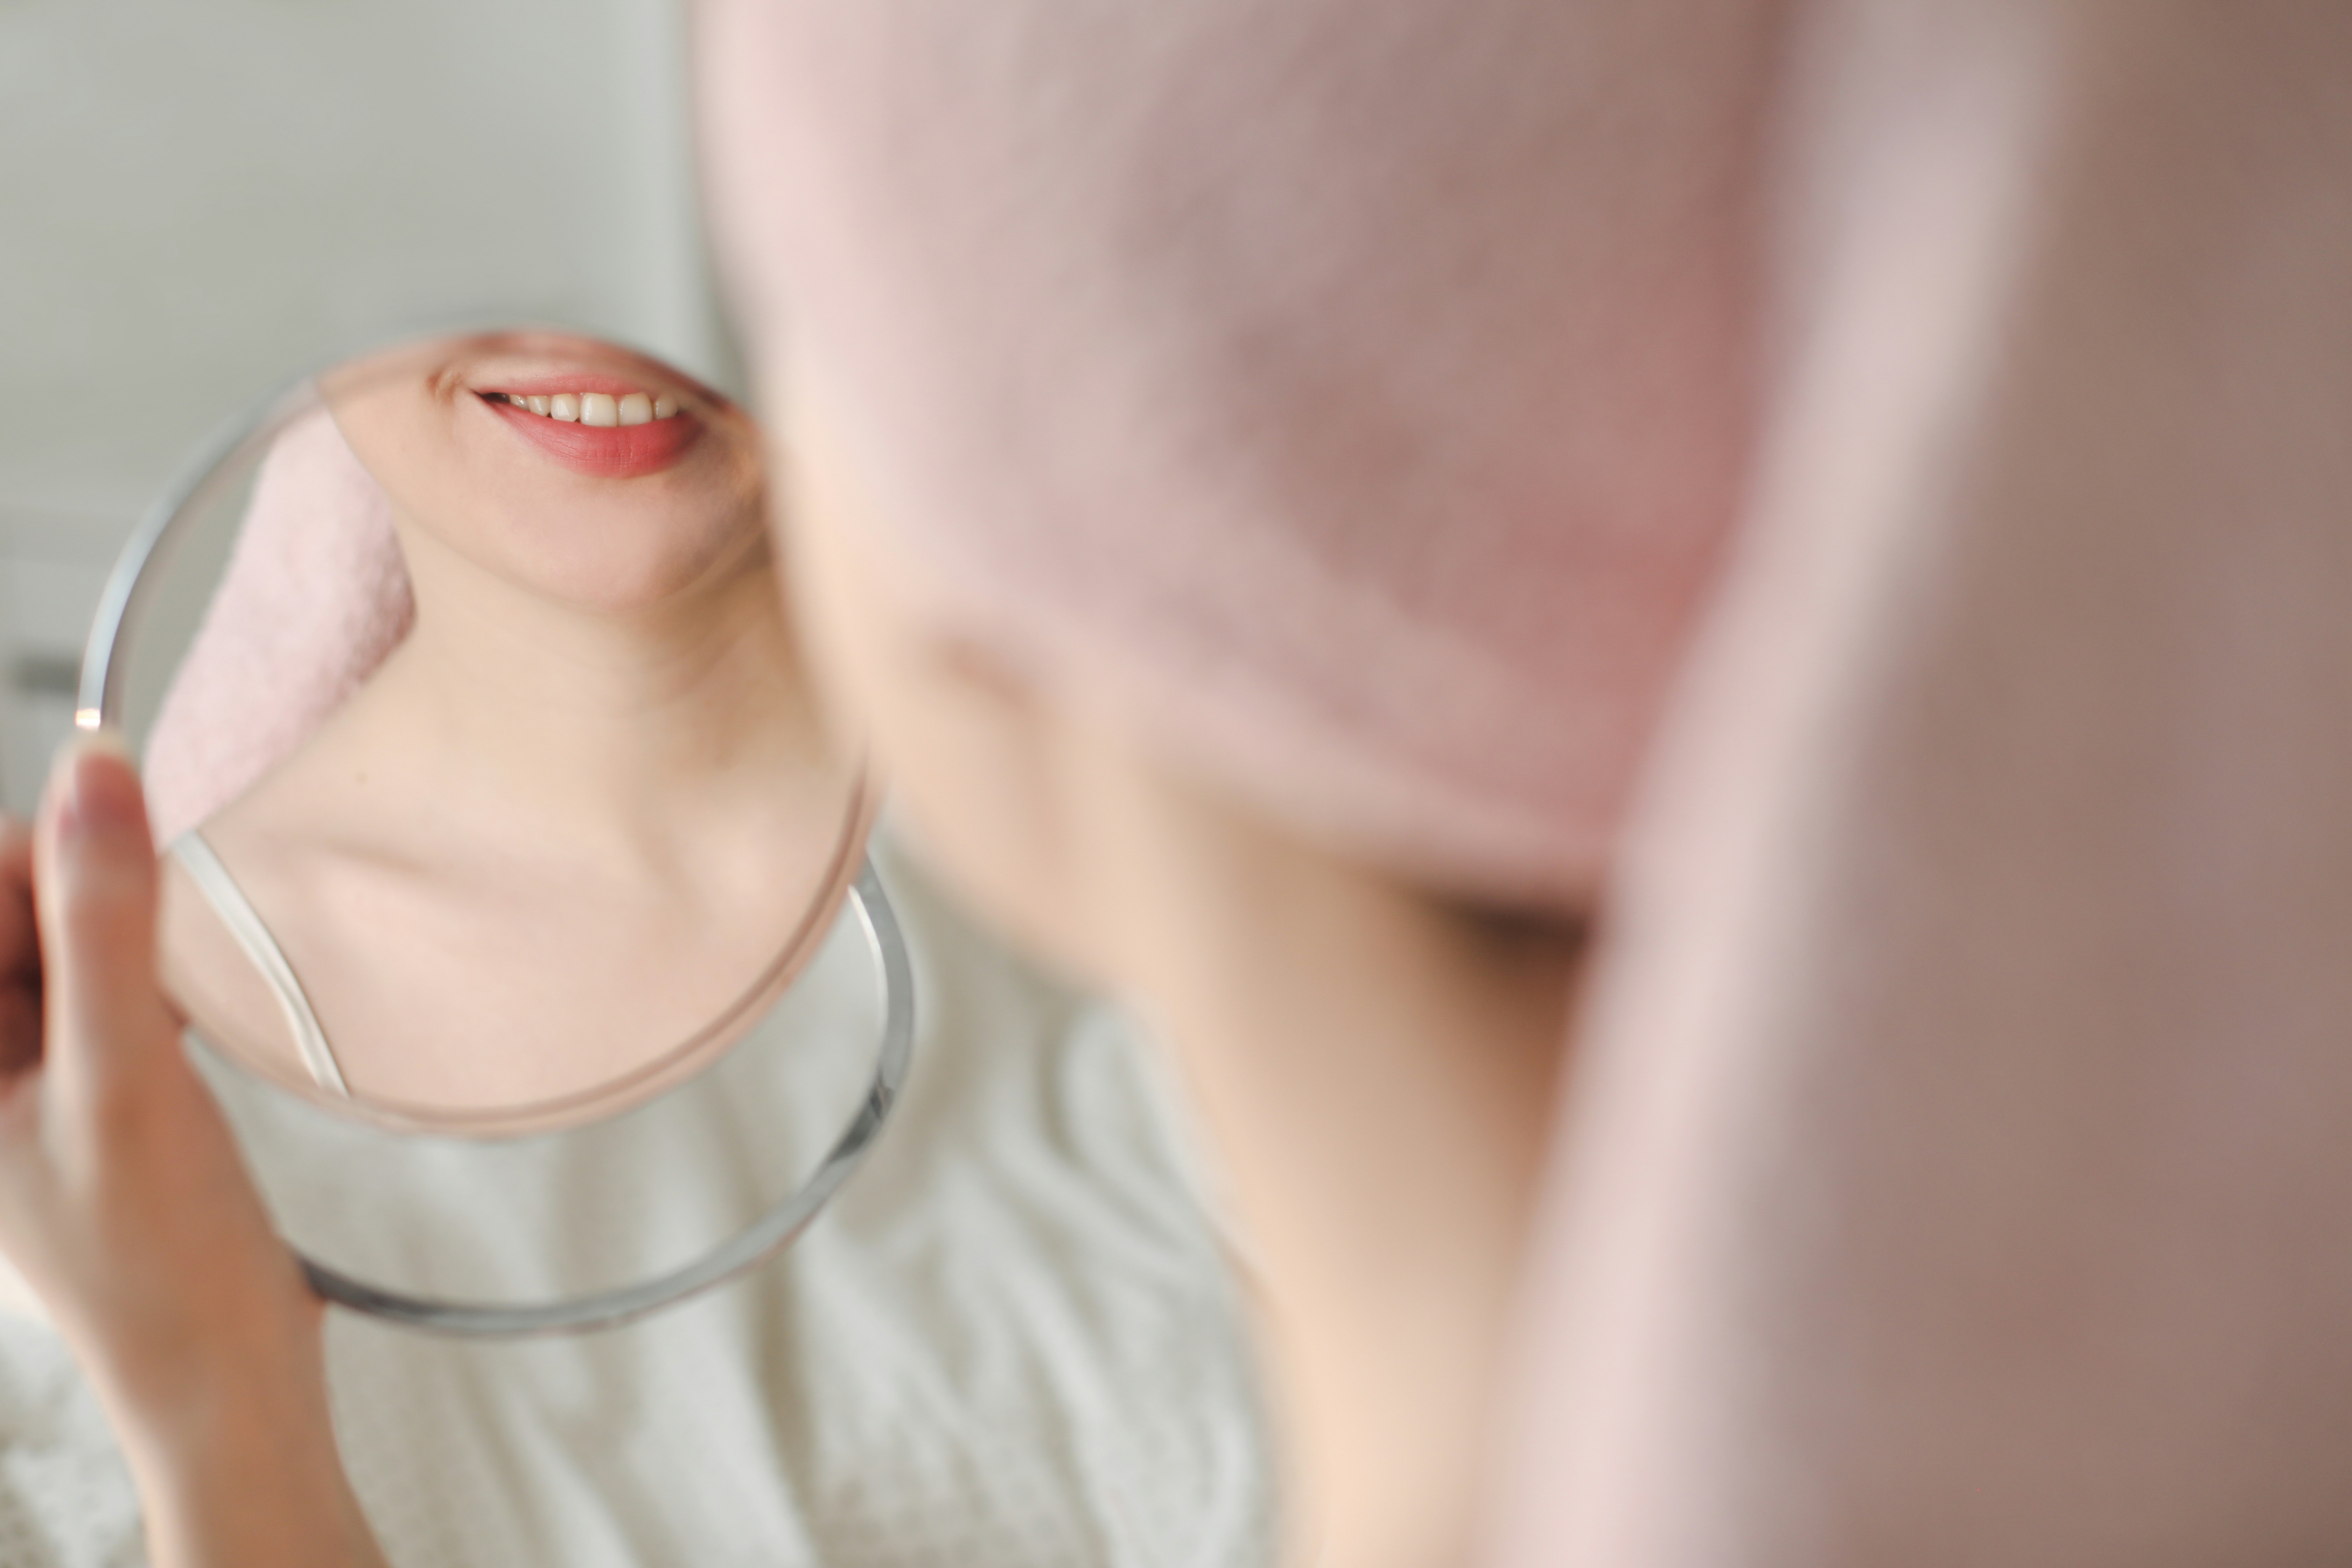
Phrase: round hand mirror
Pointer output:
(516, 900)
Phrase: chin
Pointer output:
(626, 596)
(621, 582)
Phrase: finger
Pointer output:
(95, 885)
(20, 954)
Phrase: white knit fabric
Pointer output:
(1014, 1339)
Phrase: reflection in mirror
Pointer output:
(507, 860)
(577, 812)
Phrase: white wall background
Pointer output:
(201, 199)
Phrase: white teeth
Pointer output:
(600, 408)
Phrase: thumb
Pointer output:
(96, 883)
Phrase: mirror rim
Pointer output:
(851, 880)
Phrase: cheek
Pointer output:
(970, 756)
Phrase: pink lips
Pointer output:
(600, 451)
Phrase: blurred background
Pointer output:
(200, 201)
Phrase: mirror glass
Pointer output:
(515, 896)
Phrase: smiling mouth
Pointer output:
(597, 425)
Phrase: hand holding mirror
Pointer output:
(516, 900)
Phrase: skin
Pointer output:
(601, 701)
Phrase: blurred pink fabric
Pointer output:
(1225, 352)
(314, 596)
(1370, 395)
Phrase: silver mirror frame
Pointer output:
(146, 556)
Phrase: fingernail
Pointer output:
(97, 784)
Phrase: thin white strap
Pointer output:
(244, 922)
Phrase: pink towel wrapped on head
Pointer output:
(1290, 369)
(314, 596)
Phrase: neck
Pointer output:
(603, 732)
(1378, 1071)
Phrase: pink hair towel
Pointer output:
(1293, 370)
(314, 596)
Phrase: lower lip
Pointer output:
(604, 451)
